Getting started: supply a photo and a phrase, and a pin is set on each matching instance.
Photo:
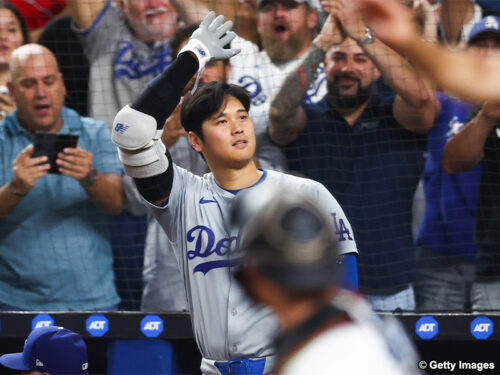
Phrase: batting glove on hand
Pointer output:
(208, 40)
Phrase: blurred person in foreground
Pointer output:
(54, 250)
(50, 351)
(461, 73)
(289, 265)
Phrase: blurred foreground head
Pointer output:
(287, 239)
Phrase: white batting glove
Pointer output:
(208, 40)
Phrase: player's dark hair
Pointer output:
(206, 101)
(22, 23)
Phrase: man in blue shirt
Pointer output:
(447, 257)
(54, 250)
(362, 142)
(478, 143)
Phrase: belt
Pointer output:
(241, 366)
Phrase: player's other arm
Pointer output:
(286, 116)
(137, 128)
(84, 12)
(466, 148)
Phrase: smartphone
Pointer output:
(50, 144)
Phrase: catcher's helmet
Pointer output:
(288, 237)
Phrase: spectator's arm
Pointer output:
(286, 116)
(466, 148)
(107, 192)
(9, 198)
(84, 12)
(454, 15)
(461, 73)
(415, 103)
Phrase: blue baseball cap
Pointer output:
(487, 25)
(55, 350)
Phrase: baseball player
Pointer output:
(50, 351)
(232, 333)
(290, 251)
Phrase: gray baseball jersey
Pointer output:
(197, 220)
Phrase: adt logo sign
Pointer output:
(151, 325)
(97, 325)
(481, 328)
(42, 320)
(427, 327)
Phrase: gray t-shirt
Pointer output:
(121, 65)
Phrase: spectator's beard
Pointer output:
(342, 101)
(280, 51)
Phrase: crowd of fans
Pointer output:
(329, 101)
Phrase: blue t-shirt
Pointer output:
(372, 168)
(450, 199)
(54, 249)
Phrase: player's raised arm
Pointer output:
(137, 128)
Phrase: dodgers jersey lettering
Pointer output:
(226, 323)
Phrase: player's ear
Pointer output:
(196, 142)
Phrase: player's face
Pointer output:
(38, 90)
(152, 20)
(285, 28)
(229, 137)
(11, 35)
(350, 72)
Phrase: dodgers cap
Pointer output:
(55, 350)
(288, 238)
(487, 25)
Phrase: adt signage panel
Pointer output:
(42, 320)
(481, 327)
(427, 327)
(152, 325)
(97, 325)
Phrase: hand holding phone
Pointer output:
(50, 144)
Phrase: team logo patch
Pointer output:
(42, 320)
(151, 325)
(201, 51)
(481, 327)
(97, 325)
(427, 327)
(121, 128)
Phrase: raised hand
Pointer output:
(391, 21)
(7, 105)
(27, 170)
(331, 33)
(208, 40)
(173, 129)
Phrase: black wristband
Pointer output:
(163, 93)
